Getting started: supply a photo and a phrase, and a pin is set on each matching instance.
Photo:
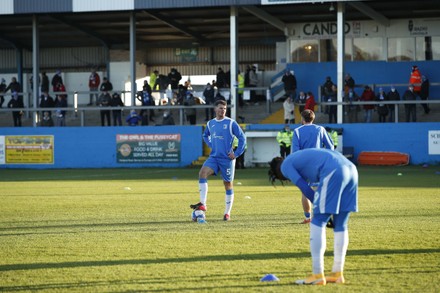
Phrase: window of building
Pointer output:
(304, 50)
(329, 52)
(427, 48)
(401, 49)
(367, 49)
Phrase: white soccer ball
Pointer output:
(198, 216)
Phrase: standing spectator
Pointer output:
(208, 94)
(221, 79)
(393, 95)
(301, 101)
(284, 139)
(310, 102)
(190, 112)
(289, 81)
(14, 86)
(60, 89)
(348, 83)
(368, 96)
(309, 135)
(168, 118)
(60, 103)
(415, 80)
(410, 109)
(153, 100)
(219, 135)
(326, 90)
(153, 79)
(240, 79)
(46, 101)
(253, 82)
(116, 102)
(104, 102)
(44, 82)
(106, 85)
(146, 99)
(352, 110)
(333, 109)
(424, 93)
(2, 91)
(333, 135)
(47, 120)
(56, 79)
(162, 82)
(16, 103)
(289, 110)
(382, 109)
(336, 195)
(133, 119)
(94, 82)
(174, 77)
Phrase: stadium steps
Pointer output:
(274, 118)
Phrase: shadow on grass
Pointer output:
(231, 257)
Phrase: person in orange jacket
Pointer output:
(416, 79)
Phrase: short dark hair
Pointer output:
(220, 102)
(308, 115)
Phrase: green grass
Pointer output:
(129, 230)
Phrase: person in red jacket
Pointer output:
(368, 96)
(416, 79)
(310, 102)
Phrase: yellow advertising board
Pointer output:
(29, 149)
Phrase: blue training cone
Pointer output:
(269, 278)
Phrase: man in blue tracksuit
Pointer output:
(219, 136)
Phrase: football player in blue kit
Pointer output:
(336, 195)
(219, 136)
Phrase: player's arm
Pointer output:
(295, 142)
(207, 136)
(292, 174)
(305, 189)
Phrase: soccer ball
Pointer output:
(198, 216)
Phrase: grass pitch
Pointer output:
(129, 230)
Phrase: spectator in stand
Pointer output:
(424, 93)
(14, 87)
(146, 100)
(94, 81)
(352, 110)
(16, 103)
(153, 78)
(190, 112)
(289, 81)
(168, 118)
(368, 96)
(2, 91)
(253, 82)
(116, 102)
(333, 109)
(221, 79)
(47, 120)
(61, 90)
(104, 102)
(393, 95)
(310, 102)
(382, 109)
(56, 79)
(410, 109)
(60, 103)
(46, 101)
(44, 82)
(208, 94)
(348, 83)
(174, 77)
(415, 80)
(289, 110)
(133, 119)
(301, 101)
(326, 90)
(106, 85)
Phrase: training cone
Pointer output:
(269, 278)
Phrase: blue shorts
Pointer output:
(225, 166)
(337, 192)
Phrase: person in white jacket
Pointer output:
(289, 111)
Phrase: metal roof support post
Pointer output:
(35, 68)
(340, 61)
(133, 57)
(233, 52)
